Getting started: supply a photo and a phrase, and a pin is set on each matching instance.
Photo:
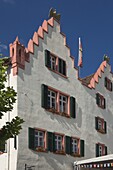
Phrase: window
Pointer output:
(63, 103)
(100, 100)
(75, 145)
(37, 139)
(58, 142)
(51, 99)
(101, 125)
(108, 84)
(57, 102)
(55, 63)
(101, 149)
(52, 62)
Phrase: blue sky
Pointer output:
(92, 20)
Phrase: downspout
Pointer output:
(8, 72)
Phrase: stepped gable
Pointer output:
(90, 81)
(19, 61)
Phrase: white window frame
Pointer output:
(53, 62)
(58, 142)
(63, 102)
(75, 145)
(39, 138)
(52, 98)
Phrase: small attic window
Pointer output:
(12, 51)
(19, 52)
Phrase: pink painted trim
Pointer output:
(45, 26)
(35, 38)
(45, 137)
(40, 32)
(30, 46)
(51, 22)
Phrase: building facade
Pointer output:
(66, 118)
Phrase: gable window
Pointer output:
(58, 102)
(101, 149)
(54, 63)
(100, 125)
(100, 100)
(108, 84)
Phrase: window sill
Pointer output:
(41, 149)
(60, 152)
(57, 73)
(101, 131)
(75, 154)
(102, 107)
(58, 113)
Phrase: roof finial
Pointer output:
(106, 58)
(52, 13)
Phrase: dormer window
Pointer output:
(108, 84)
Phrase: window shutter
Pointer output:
(60, 65)
(105, 150)
(31, 138)
(105, 126)
(72, 107)
(104, 103)
(68, 145)
(81, 148)
(111, 86)
(64, 67)
(44, 96)
(15, 142)
(96, 123)
(47, 59)
(97, 98)
(51, 141)
(97, 150)
(105, 82)
(2, 146)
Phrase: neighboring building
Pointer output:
(66, 118)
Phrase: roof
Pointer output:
(107, 158)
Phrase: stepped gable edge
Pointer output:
(35, 41)
(90, 81)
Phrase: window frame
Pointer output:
(57, 65)
(101, 100)
(44, 147)
(108, 84)
(62, 151)
(78, 146)
(103, 149)
(101, 125)
(57, 109)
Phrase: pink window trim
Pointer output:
(58, 92)
(63, 143)
(45, 140)
(101, 100)
(56, 71)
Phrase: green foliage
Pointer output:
(7, 99)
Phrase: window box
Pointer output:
(55, 63)
(100, 100)
(108, 84)
(57, 102)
